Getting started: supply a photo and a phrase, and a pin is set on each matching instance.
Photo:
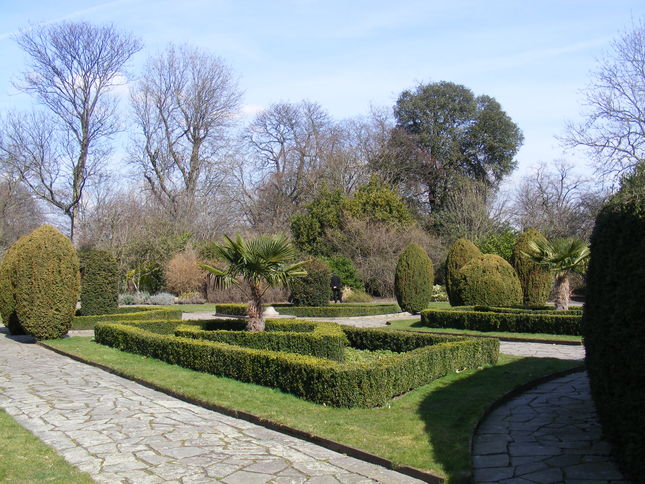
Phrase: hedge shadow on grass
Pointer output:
(490, 384)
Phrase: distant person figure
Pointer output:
(335, 287)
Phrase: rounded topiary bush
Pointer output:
(489, 280)
(99, 282)
(44, 283)
(312, 289)
(613, 323)
(535, 280)
(461, 252)
(413, 279)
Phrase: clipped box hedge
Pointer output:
(514, 320)
(332, 311)
(324, 340)
(320, 380)
(141, 313)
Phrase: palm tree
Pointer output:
(255, 266)
(562, 257)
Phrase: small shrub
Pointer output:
(43, 284)
(99, 282)
(126, 299)
(535, 280)
(461, 252)
(312, 289)
(183, 273)
(413, 279)
(190, 298)
(439, 293)
(488, 280)
(140, 313)
(142, 297)
(351, 295)
(162, 299)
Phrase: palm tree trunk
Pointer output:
(561, 292)
(255, 310)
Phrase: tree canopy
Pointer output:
(444, 130)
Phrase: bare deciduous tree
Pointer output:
(19, 211)
(557, 202)
(614, 107)
(183, 107)
(72, 70)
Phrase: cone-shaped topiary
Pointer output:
(461, 252)
(45, 283)
(7, 298)
(488, 280)
(413, 279)
(613, 322)
(99, 282)
(536, 281)
(312, 289)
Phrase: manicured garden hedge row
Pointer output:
(324, 340)
(128, 314)
(507, 319)
(335, 311)
(317, 379)
(525, 310)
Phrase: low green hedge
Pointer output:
(504, 319)
(324, 340)
(141, 313)
(332, 311)
(524, 310)
(320, 380)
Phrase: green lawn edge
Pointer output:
(26, 459)
(414, 324)
(429, 428)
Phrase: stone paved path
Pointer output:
(546, 435)
(121, 432)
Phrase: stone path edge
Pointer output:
(515, 392)
(420, 474)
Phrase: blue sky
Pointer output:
(534, 57)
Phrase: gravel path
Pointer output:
(121, 432)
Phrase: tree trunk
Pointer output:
(254, 311)
(561, 292)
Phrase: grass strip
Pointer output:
(26, 459)
(415, 325)
(428, 428)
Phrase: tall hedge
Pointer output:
(312, 289)
(43, 284)
(536, 281)
(461, 252)
(613, 322)
(413, 279)
(489, 280)
(99, 282)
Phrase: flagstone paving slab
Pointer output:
(548, 434)
(121, 432)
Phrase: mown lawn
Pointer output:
(428, 428)
(25, 459)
